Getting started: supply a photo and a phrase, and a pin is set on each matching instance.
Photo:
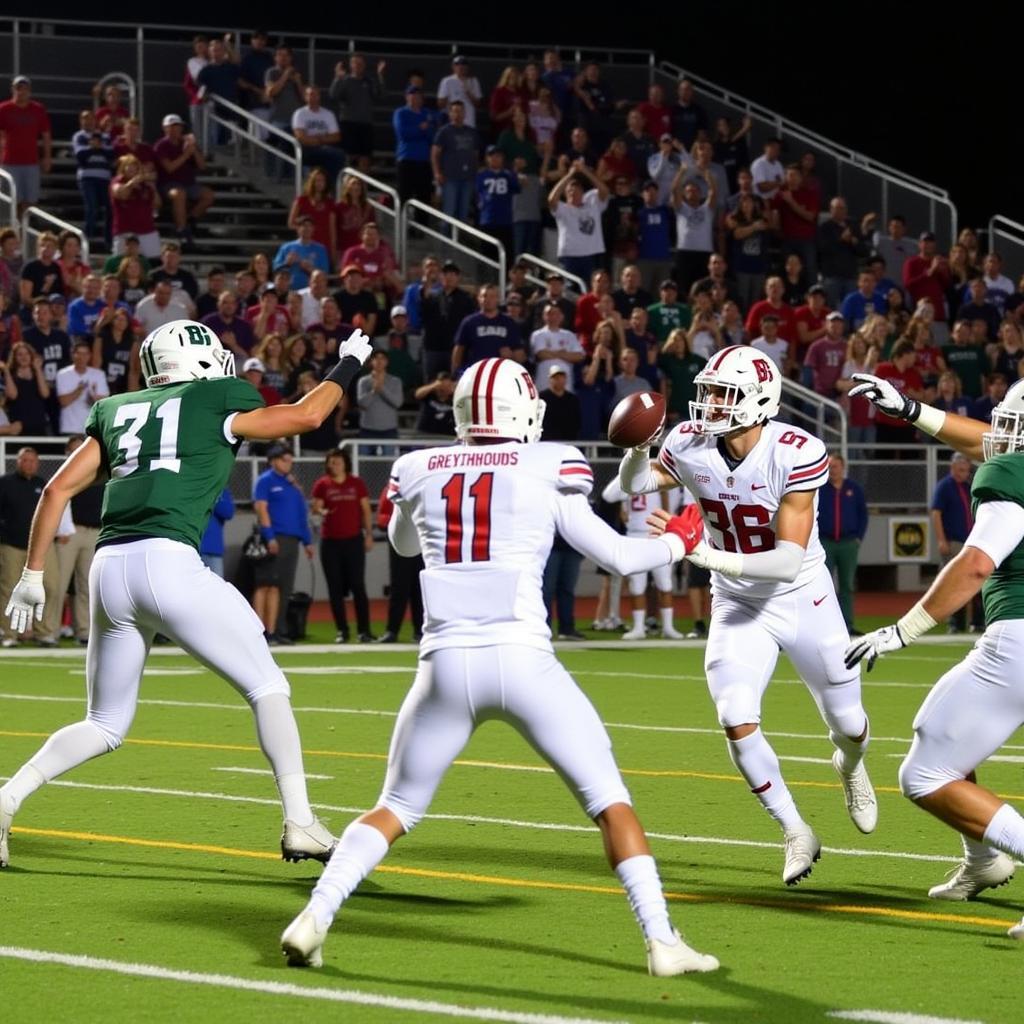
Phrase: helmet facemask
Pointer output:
(714, 415)
(1007, 433)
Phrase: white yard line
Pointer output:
(895, 1017)
(476, 819)
(235, 770)
(277, 988)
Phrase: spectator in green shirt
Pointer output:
(966, 360)
(669, 313)
(679, 365)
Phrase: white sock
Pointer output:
(279, 739)
(360, 849)
(851, 751)
(759, 765)
(639, 877)
(615, 599)
(976, 853)
(666, 619)
(638, 620)
(1006, 832)
(24, 783)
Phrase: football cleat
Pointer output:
(802, 850)
(861, 803)
(637, 633)
(302, 942)
(1017, 931)
(310, 842)
(671, 633)
(6, 817)
(664, 960)
(967, 880)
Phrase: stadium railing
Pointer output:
(391, 212)
(8, 198)
(543, 267)
(1006, 237)
(30, 232)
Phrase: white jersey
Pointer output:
(639, 506)
(485, 518)
(740, 505)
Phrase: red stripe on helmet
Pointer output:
(489, 394)
(721, 355)
(475, 416)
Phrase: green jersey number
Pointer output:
(135, 415)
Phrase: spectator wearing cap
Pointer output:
(134, 202)
(518, 282)
(179, 161)
(400, 362)
(840, 250)
(436, 416)
(552, 345)
(826, 356)
(354, 91)
(577, 216)
(767, 171)
(858, 305)
(254, 371)
(356, 303)
(379, 395)
(59, 310)
(668, 314)
(234, 332)
(415, 128)
(268, 317)
(769, 342)
(442, 313)
(952, 520)
(486, 334)
(495, 188)
(453, 157)
(689, 119)
(562, 420)
(460, 85)
(663, 166)
(285, 92)
(284, 524)
(810, 321)
(25, 123)
(302, 255)
(553, 294)
(842, 523)
(654, 237)
(316, 129)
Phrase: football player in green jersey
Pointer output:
(168, 452)
(977, 705)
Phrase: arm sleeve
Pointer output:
(591, 536)
(635, 473)
(782, 563)
(402, 533)
(998, 529)
(613, 491)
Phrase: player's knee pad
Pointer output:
(737, 704)
(920, 776)
(112, 729)
(408, 816)
(849, 721)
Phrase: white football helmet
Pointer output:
(181, 351)
(1007, 433)
(497, 398)
(752, 385)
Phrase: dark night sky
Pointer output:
(866, 89)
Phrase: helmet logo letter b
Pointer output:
(764, 371)
(197, 334)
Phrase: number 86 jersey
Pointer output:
(740, 504)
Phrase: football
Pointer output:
(637, 419)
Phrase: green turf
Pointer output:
(787, 955)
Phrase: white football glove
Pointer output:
(357, 345)
(874, 644)
(27, 600)
(886, 397)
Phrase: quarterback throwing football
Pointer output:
(756, 482)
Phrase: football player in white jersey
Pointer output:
(637, 508)
(756, 482)
(484, 514)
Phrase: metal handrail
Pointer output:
(500, 264)
(253, 126)
(823, 405)
(11, 196)
(550, 268)
(395, 210)
(27, 231)
(121, 78)
(996, 224)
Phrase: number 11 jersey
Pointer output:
(740, 504)
(169, 453)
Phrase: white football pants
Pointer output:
(458, 688)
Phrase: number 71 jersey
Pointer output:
(169, 456)
(740, 505)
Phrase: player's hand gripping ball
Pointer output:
(637, 420)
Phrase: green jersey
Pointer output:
(665, 317)
(168, 456)
(1002, 479)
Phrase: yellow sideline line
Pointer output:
(526, 883)
(462, 763)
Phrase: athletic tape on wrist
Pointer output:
(915, 623)
(929, 419)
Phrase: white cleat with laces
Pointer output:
(967, 880)
(302, 942)
(307, 842)
(861, 803)
(802, 850)
(664, 960)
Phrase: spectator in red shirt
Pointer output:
(268, 317)
(810, 321)
(24, 122)
(926, 276)
(505, 98)
(798, 207)
(377, 261)
(773, 303)
(346, 535)
(112, 113)
(587, 314)
(179, 160)
(826, 356)
(130, 141)
(899, 371)
(134, 202)
(352, 213)
(317, 204)
(656, 113)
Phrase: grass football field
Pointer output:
(147, 884)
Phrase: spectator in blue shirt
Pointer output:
(859, 304)
(428, 284)
(994, 394)
(559, 81)
(211, 547)
(454, 157)
(495, 187)
(842, 523)
(252, 74)
(85, 310)
(220, 77)
(302, 256)
(486, 334)
(654, 244)
(415, 128)
(952, 521)
(284, 524)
